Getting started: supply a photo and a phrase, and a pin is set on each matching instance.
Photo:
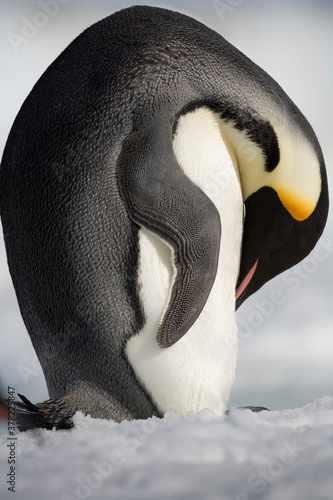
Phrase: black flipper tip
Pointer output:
(255, 409)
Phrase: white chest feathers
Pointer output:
(197, 372)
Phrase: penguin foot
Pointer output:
(47, 415)
(255, 409)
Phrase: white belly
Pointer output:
(197, 372)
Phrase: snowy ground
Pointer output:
(277, 455)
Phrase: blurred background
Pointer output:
(286, 349)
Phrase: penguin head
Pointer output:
(284, 185)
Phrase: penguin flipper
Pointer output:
(161, 198)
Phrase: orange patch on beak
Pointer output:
(300, 209)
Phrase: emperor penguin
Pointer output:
(153, 179)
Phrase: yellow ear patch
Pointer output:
(300, 209)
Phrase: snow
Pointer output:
(274, 455)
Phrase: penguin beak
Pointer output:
(275, 239)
